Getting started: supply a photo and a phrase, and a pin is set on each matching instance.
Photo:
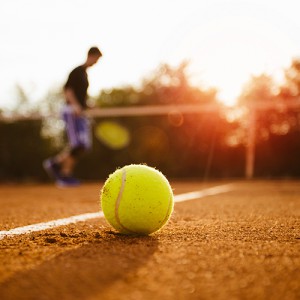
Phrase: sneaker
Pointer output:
(67, 182)
(52, 168)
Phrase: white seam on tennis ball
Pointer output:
(118, 201)
(120, 194)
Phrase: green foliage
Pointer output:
(258, 89)
(262, 90)
(292, 76)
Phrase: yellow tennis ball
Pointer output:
(137, 199)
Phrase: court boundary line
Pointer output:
(212, 191)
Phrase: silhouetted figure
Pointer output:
(77, 124)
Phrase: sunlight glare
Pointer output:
(225, 53)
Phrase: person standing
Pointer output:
(61, 166)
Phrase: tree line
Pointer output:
(194, 145)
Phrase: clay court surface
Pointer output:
(240, 244)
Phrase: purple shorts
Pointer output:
(78, 129)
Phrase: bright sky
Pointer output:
(226, 41)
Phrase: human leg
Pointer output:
(61, 167)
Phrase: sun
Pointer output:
(235, 50)
(224, 53)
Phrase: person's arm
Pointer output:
(72, 100)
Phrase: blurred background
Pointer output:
(239, 58)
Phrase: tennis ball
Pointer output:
(137, 199)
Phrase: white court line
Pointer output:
(83, 217)
(204, 193)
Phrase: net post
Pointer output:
(250, 146)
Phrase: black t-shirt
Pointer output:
(78, 82)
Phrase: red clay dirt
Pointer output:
(244, 244)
